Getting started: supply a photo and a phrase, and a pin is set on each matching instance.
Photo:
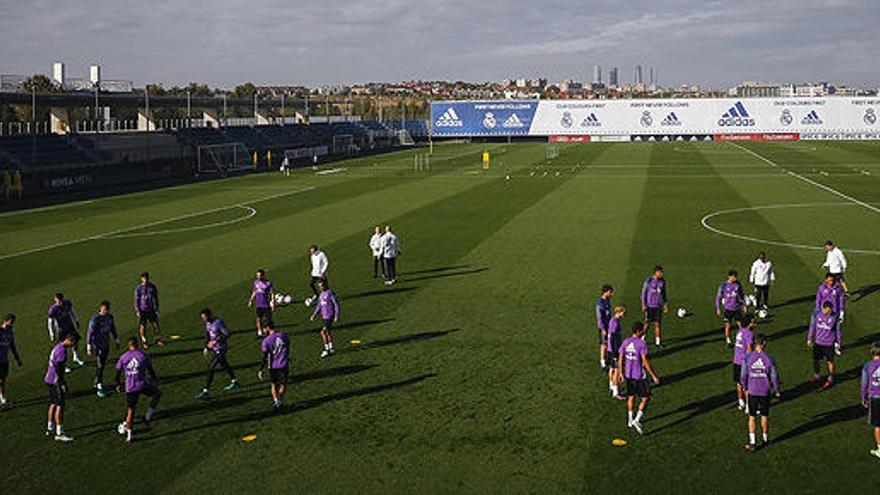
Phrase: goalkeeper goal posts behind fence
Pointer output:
(224, 159)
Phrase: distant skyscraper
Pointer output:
(651, 76)
(612, 76)
(597, 74)
(639, 79)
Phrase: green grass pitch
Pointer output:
(477, 372)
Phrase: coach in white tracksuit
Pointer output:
(376, 251)
(320, 264)
(762, 276)
(390, 251)
(835, 263)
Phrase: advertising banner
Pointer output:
(783, 117)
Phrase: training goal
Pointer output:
(343, 144)
(224, 159)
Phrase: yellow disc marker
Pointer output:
(618, 442)
(174, 337)
(249, 438)
(355, 342)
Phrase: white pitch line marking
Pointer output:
(705, 223)
(117, 232)
(808, 181)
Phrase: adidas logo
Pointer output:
(736, 116)
(759, 363)
(811, 118)
(449, 119)
(671, 120)
(876, 372)
(591, 121)
(631, 347)
(513, 121)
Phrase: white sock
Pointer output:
(149, 414)
(629, 417)
(2, 399)
(610, 385)
(727, 339)
(602, 363)
(614, 391)
(742, 403)
(656, 340)
(128, 434)
(766, 439)
(50, 426)
(330, 346)
(75, 356)
(752, 438)
(638, 416)
(59, 430)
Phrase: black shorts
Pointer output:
(759, 406)
(264, 314)
(62, 334)
(278, 376)
(148, 317)
(654, 314)
(823, 352)
(737, 371)
(874, 412)
(602, 336)
(731, 315)
(638, 387)
(56, 395)
(328, 324)
(4, 371)
(611, 360)
(839, 277)
(149, 390)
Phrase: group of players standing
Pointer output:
(755, 372)
(135, 374)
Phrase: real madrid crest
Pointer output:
(489, 120)
(646, 119)
(566, 121)
(786, 118)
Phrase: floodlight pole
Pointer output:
(282, 107)
(33, 102)
(224, 107)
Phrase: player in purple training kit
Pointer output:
(216, 345)
(823, 338)
(831, 291)
(328, 308)
(871, 393)
(759, 377)
(745, 339)
(654, 301)
(633, 359)
(101, 328)
(276, 356)
(729, 303)
(140, 379)
(263, 294)
(54, 379)
(603, 317)
(7, 345)
(615, 338)
(146, 308)
(63, 322)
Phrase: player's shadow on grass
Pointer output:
(795, 300)
(864, 340)
(714, 332)
(694, 409)
(823, 420)
(863, 292)
(297, 407)
(435, 270)
(447, 274)
(787, 332)
(401, 339)
(345, 326)
(692, 372)
(668, 351)
(805, 388)
(377, 292)
(194, 374)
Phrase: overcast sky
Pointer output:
(225, 42)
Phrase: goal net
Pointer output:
(405, 138)
(224, 159)
(343, 144)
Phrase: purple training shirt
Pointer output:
(137, 368)
(262, 290)
(824, 329)
(328, 306)
(216, 330)
(633, 349)
(654, 292)
(57, 360)
(871, 380)
(759, 375)
(744, 339)
(277, 346)
(730, 296)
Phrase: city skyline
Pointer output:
(710, 44)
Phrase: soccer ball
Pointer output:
(279, 299)
(762, 313)
(681, 312)
(308, 301)
(121, 428)
(288, 299)
(751, 300)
